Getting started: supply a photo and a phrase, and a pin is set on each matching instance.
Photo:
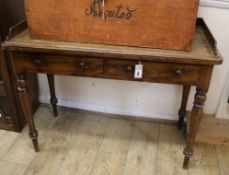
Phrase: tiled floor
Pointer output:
(83, 143)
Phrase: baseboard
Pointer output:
(72, 103)
(223, 116)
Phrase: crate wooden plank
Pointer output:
(150, 23)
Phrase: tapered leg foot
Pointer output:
(33, 137)
(53, 99)
(186, 162)
(187, 156)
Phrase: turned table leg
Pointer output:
(196, 115)
(182, 112)
(53, 99)
(24, 99)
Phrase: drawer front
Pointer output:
(63, 65)
(153, 72)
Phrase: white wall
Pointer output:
(218, 21)
(223, 107)
(142, 99)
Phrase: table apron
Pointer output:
(111, 68)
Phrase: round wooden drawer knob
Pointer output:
(38, 62)
(178, 73)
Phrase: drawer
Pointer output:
(153, 71)
(53, 64)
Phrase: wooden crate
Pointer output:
(161, 24)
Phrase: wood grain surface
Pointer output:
(204, 49)
(213, 131)
(151, 23)
(153, 148)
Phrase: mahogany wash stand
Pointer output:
(194, 68)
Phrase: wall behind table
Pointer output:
(142, 99)
(218, 21)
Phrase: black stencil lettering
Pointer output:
(119, 12)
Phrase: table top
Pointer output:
(204, 50)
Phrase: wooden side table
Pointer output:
(115, 62)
